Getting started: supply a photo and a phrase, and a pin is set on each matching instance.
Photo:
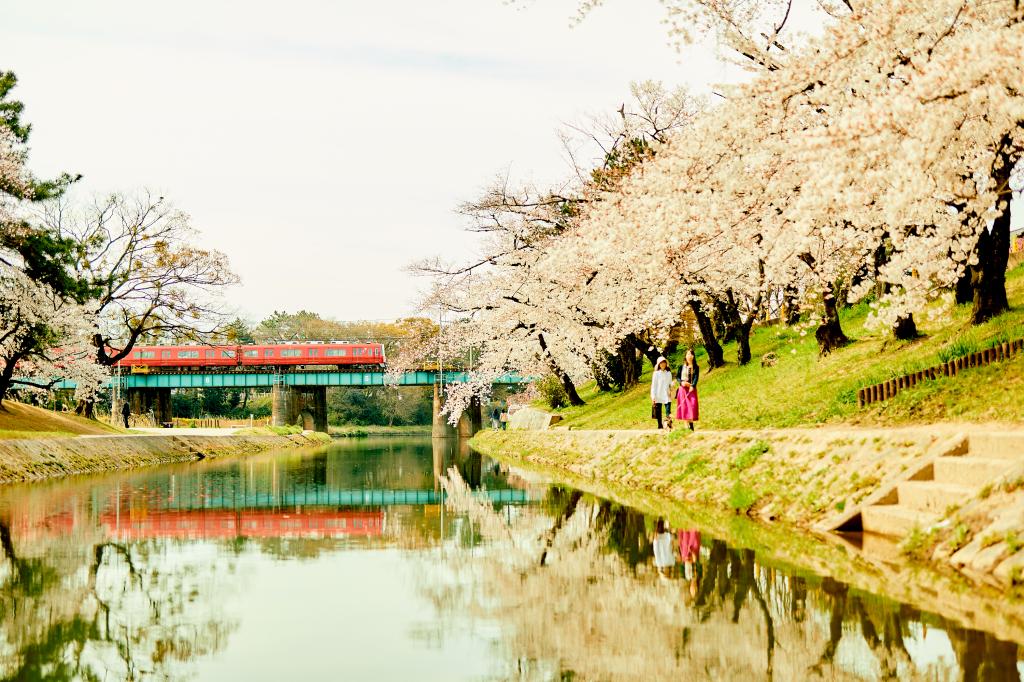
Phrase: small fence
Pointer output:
(218, 423)
(889, 389)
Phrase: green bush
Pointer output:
(750, 455)
(553, 391)
(742, 498)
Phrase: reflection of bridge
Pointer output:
(322, 495)
(295, 393)
(242, 523)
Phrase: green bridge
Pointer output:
(300, 379)
(298, 396)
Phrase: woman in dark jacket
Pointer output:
(687, 408)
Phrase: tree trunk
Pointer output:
(830, 334)
(650, 351)
(711, 346)
(905, 328)
(743, 342)
(563, 376)
(86, 408)
(790, 306)
(984, 284)
(5, 381)
(728, 317)
(988, 277)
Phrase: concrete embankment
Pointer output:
(42, 458)
(819, 479)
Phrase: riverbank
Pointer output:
(806, 479)
(39, 458)
(982, 607)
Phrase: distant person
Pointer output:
(664, 558)
(496, 418)
(687, 408)
(661, 400)
(503, 417)
(126, 412)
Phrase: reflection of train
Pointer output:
(264, 355)
(242, 523)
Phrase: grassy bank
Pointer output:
(803, 389)
(799, 476)
(352, 431)
(26, 421)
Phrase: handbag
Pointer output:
(654, 410)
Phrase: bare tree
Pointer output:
(152, 281)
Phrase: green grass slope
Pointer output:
(804, 389)
(25, 421)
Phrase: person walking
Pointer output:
(496, 417)
(126, 411)
(687, 407)
(661, 398)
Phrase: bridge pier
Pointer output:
(155, 400)
(470, 422)
(283, 403)
(289, 403)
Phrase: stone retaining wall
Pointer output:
(41, 458)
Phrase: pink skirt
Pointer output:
(687, 408)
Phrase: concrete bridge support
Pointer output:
(470, 422)
(290, 403)
(155, 400)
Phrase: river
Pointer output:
(342, 564)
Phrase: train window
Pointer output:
(336, 352)
(357, 351)
(268, 353)
(188, 354)
(137, 354)
(147, 354)
(376, 351)
(251, 353)
(291, 352)
(313, 352)
(211, 353)
(166, 354)
(227, 353)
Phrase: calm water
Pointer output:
(342, 565)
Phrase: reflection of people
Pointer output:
(689, 554)
(125, 413)
(664, 559)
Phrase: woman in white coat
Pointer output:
(661, 396)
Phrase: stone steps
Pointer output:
(895, 519)
(932, 496)
(952, 480)
(975, 472)
(998, 445)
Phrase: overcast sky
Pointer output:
(324, 144)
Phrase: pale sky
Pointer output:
(324, 144)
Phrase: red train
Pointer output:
(341, 355)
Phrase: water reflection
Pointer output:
(199, 571)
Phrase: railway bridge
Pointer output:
(296, 394)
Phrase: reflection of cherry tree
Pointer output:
(573, 590)
(103, 610)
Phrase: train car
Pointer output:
(288, 355)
